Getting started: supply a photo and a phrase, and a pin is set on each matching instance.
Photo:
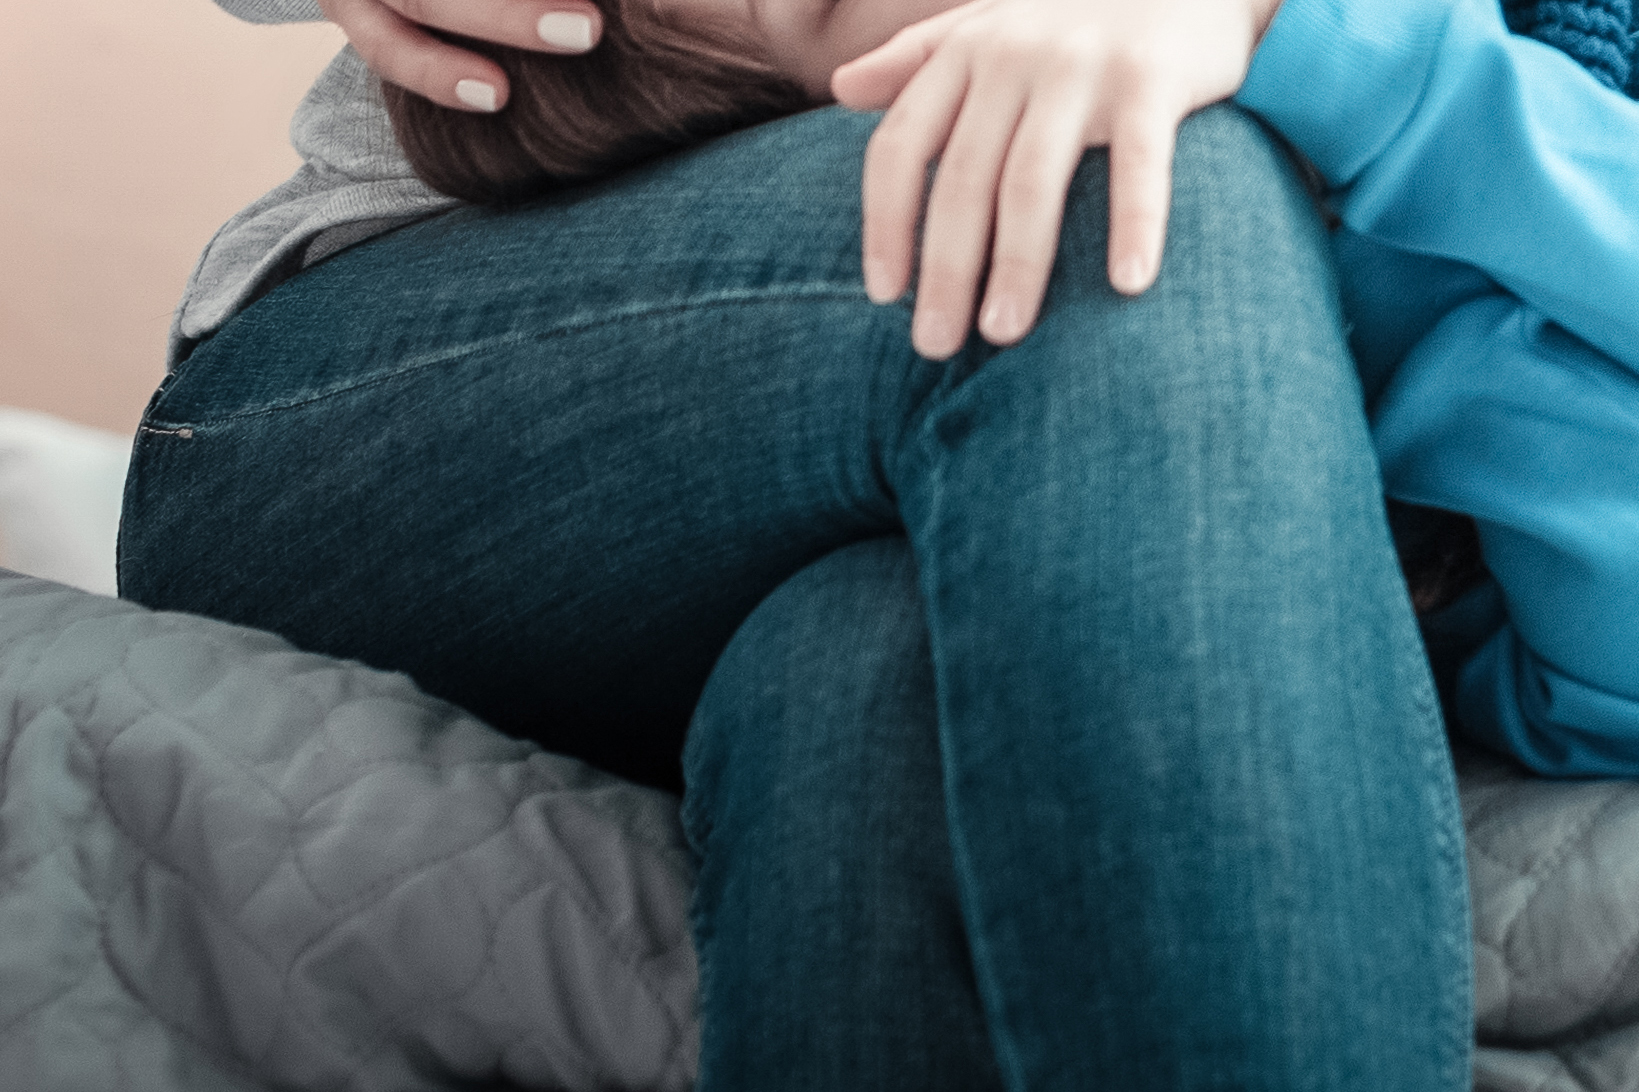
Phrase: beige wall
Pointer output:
(129, 130)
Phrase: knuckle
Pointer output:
(1146, 148)
(893, 150)
(1140, 150)
(1013, 49)
(962, 206)
(1015, 270)
(945, 279)
(964, 170)
(1140, 216)
(1028, 189)
(1072, 62)
(419, 70)
(415, 76)
(1137, 63)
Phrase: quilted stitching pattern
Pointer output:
(1554, 871)
(226, 864)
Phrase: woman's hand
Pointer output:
(392, 37)
(1007, 95)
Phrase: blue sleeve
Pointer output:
(1448, 138)
(1502, 414)
(1445, 135)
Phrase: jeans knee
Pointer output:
(1241, 335)
(1222, 400)
(826, 667)
(1235, 190)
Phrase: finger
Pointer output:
(1141, 145)
(402, 53)
(1030, 212)
(875, 80)
(896, 172)
(561, 26)
(961, 214)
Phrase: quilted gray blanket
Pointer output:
(228, 865)
(1554, 870)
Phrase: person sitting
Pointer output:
(1458, 293)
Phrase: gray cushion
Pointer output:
(1554, 870)
(226, 864)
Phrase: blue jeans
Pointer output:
(1200, 821)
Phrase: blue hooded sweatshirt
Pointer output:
(1488, 189)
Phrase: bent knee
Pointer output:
(828, 637)
(1239, 209)
(824, 677)
(1244, 318)
(820, 645)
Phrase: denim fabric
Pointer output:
(825, 894)
(1202, 826)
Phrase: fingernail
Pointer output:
(476, 94)
(1129, 276)
(878, 281)
(1001, 322)
(566, 29)
(935, 334)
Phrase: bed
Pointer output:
(227, 864)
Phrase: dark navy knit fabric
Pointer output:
(1599, 33)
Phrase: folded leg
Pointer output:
(831, 943)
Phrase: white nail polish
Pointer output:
(935, 334)
(1129, 276)
(566, 30)
(476, 94)
(1001, 322)
(878, 277)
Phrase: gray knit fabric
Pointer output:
(352, 174)
(272, 11)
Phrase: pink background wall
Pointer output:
(129, 130)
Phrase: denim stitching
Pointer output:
(717, 301)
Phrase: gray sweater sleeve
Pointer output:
(353, 183)
(272, 11)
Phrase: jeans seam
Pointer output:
(1451, 851)
(884, 438)
(918, 441)
(725, 300)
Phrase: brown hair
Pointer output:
(1439, 554)
(652, 85)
